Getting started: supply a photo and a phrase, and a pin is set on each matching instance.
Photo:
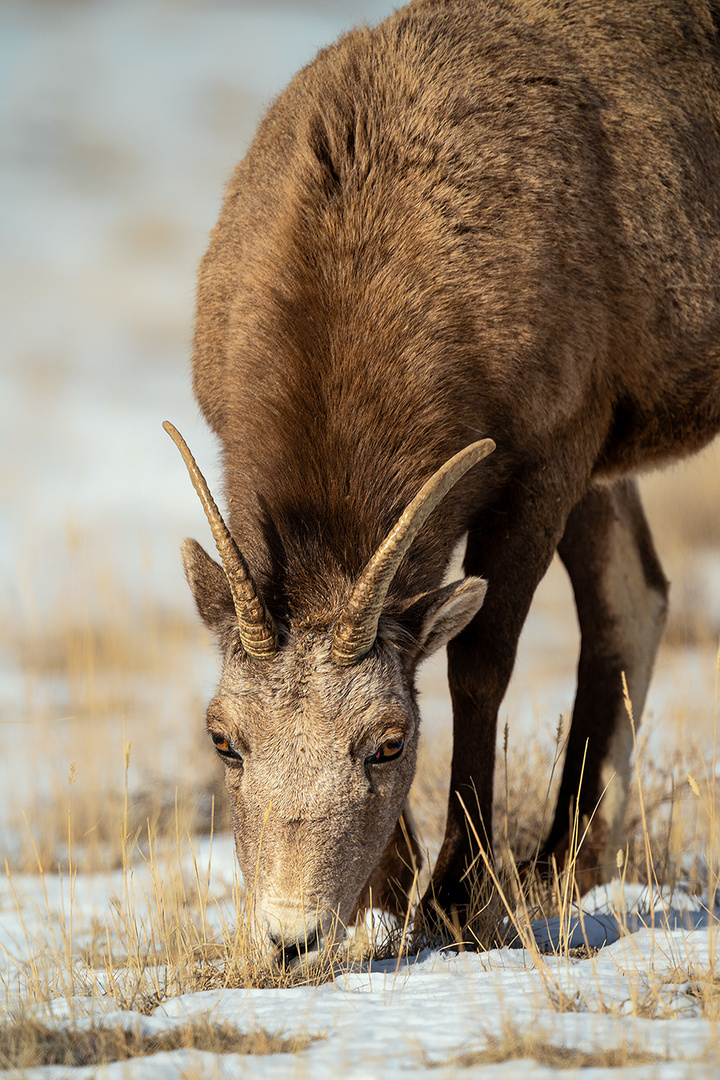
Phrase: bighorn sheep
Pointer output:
(479, 220)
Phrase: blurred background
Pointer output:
(120, 123)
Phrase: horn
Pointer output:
(257, 629)
(356, 628)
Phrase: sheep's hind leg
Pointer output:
(621, 598)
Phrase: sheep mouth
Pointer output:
(300, 954)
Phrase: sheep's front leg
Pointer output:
(511, 547)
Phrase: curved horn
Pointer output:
(257, 629)
(356, 628)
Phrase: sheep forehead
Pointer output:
(305, 698)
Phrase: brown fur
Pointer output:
(480, 218)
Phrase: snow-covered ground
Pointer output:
(120, 121)
(641, 994)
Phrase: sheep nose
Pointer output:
(289, 950)
(290, 933)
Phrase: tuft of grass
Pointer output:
(27, 1042)
(517, 1044)
(701, 984)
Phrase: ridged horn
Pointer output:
(356, 629)
(257, 629)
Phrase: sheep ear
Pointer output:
(210, 588)
(450, 610)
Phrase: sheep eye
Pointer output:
(387, 751)
(224, 748)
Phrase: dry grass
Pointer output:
(672, 841)
(101, 671)
(701, 984)
(673, 825)
(28, 1042)
(516, 1044)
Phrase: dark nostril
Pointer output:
(296, 949)
(291, 953)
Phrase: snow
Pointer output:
(120, 121)
(413, 1016)
(401, 1016)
